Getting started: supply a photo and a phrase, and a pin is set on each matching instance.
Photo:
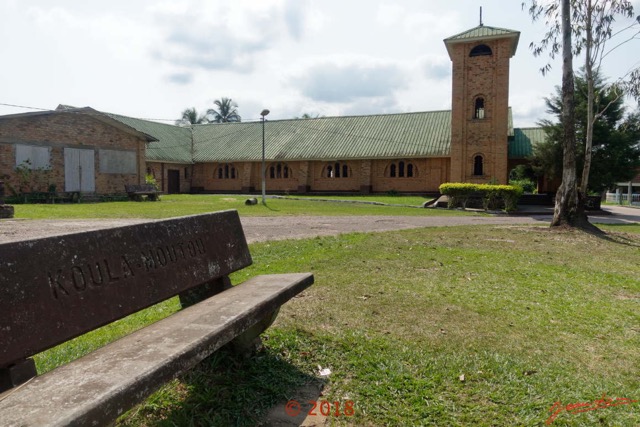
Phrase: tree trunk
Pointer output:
(581, 219)
(566, 209)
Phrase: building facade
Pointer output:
(63, 151)
(89, 151)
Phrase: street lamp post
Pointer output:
(264, 172)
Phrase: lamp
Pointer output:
(264, 177)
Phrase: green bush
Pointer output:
(458, 193)
(527, 185)
(493, 196)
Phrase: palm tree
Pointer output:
(191, 116)
(307, 116)
(226, 112)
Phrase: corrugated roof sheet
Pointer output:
(425, 134)
(174, 142)
(521, 145)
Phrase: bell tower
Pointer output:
(480, 118)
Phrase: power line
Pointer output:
(23, 106)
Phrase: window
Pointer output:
(33, 156)
(279, 171)
(336, 170)
(118, 161)
(479, 108)
(401, 169)
(225, 171)
(478, 165)
(481, 50)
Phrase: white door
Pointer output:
(79, 170)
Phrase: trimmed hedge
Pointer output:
(493, 196)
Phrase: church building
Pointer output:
(475, 141)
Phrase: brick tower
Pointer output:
(480, 116)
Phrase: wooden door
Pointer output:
(173, 181)
(79, 170)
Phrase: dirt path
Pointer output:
(258, 229)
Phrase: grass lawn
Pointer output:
(463, 326)
(184, 204)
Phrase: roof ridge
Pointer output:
(470, 30)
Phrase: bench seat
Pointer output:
(102, 385)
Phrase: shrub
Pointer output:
(493, 196)
(150, 179)
(527, 185)
(458, 193)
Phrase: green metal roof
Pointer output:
(523, 140)
(426, 134)
(484, 32)
(408, 135)
(174, 142)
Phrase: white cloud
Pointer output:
(349, 79)
(153, 58)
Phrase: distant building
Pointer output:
(409, 152)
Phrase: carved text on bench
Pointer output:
(80, 277)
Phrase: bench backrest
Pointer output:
(132, 188)
(54, 289)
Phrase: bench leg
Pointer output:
(17, 374)
(248, 342)
(204, 291)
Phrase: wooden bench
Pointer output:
(136, 191)
(57, 288)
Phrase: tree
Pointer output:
(615, 151)
(307, 116)
(227, 111)
(191, 116)
(559, 21)
(589, 22)
(593, 29)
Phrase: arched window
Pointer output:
(279, 171)
(401, 169)
(225, 171)
(478, 165)
(481, 50)
(478, 108)
(336, 170)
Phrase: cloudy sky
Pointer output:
(153, 58)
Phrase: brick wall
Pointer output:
(324, 177)
(58, 131)
(486, 77)
(207, 176)
(363, 175)
(428, 174)
(160, 172)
